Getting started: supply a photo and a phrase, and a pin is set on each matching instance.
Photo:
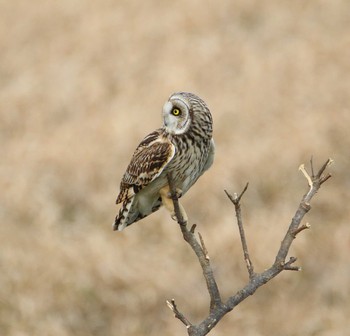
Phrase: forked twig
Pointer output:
(236, 201)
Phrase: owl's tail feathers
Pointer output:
(121, 222)
(125, 193)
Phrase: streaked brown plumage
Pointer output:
(183, 146)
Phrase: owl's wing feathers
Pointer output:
(149, 160)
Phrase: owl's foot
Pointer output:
(166, 193)
(178, 193)
(167, 201)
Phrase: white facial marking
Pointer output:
(176, 124)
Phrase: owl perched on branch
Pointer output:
(183, 147)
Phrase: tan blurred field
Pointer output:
(81, 82)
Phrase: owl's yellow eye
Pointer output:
(175, 111)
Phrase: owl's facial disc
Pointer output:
(176, 117)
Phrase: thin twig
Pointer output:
(312, 166)
(325, 178)
(323, 168)
(236, 201)
(306, 174)
(205, 251)
(172, 305)
(288, 265)
(301, 228)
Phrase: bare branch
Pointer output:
(218, 308)
(199, 249)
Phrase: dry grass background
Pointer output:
(81, 82)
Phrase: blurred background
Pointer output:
(82, 82)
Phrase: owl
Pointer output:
(183, 146)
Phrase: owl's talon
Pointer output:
(178, 193)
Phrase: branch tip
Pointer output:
(235, 199)
(300, 228)
(306, 174)
(325, 178)
(292, 268)
(228, 195)
(288, 265)
(238, 199)
(172, 306)
(323, 168)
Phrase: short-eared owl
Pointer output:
(183, 146)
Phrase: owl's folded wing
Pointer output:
(149, 160)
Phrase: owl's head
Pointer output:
(183, 111)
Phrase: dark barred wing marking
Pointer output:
(147, 163)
